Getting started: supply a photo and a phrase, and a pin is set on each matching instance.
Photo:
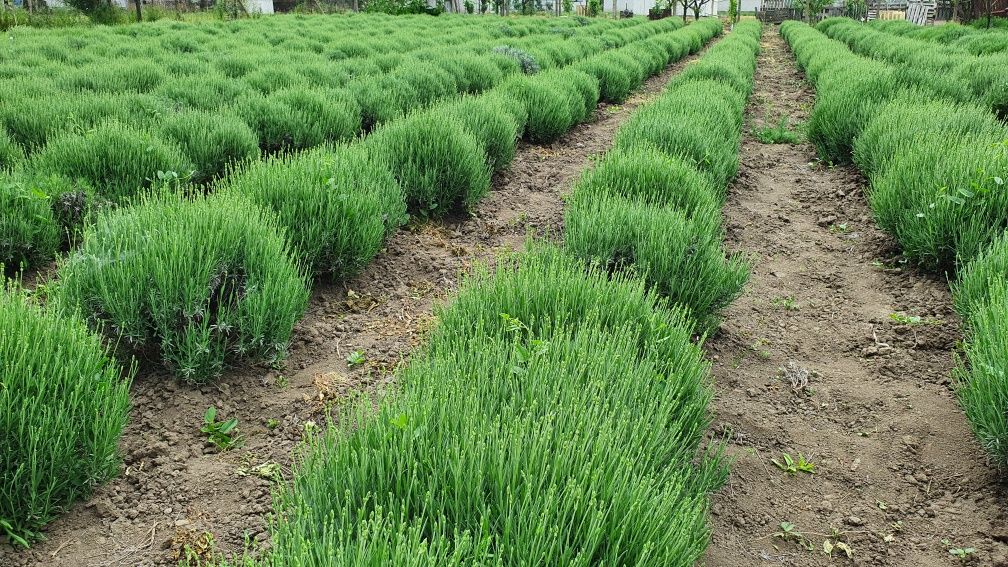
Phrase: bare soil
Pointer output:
(811, 360)
(176, 488)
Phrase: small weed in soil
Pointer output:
(904, 319)
(779, 134)
(223, 434)
(793, 467)
(786, 303)
(356, 358)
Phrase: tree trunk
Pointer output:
(139, 13)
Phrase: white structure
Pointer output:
(641, 7)
(744, 6)
(252, 6)
(259, 6)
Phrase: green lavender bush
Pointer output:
(490, 120)
(31, 123)
(981, 378)
(63, 406)
(647, 175)
(972, 288)
(981, 298)
(212, 141)
(11, 154)
(846, 97)
(885, 134)
(615, 81)
(582, 90)
(679, 253)
(203, 280)
(336, 205)
(475, 73)
(29, 233)
(944, 200)
(205, 91)
(705, 130)
(332, 114)
(550, 110)
(540, 376)
(438, 164)
(277, 125)
(117, 160)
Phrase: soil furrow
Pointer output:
(841, 353)
(176, 487)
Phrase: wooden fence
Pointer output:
(921, 12)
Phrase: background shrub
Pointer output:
(437, 163)
(63, 406)
(337, 205)
(117, 160)
(203, 280)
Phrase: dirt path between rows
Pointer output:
(812, 360)
(176, 488)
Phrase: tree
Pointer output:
(811, 8)
(696, 6)
(100, 11)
